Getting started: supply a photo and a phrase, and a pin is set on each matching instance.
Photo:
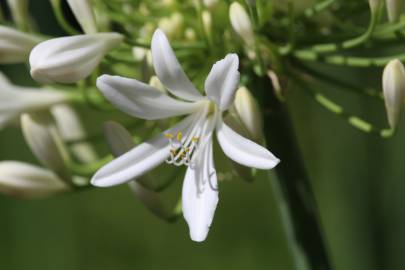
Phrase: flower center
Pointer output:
(181, 150)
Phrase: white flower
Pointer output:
(190, 141)
(23, 180)
(394, 9)
(70, 59)
(394, 90)
(16, 100)
(84, 15)
(241, 23)
(15, 46)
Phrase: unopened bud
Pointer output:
(241, 23)
(394, 9)
(374, 5)
(210, 3)
(84, 15)
(70, 59)
(19, 13)
(394, 91)
(207, 22)
(27, 181)
(248, 111)
(15, 46)
(45, 142)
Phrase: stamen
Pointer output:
(181, 149)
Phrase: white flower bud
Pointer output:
(71, 129)
(172, 26)
(140, 54)
(210, 3)
(248, 111)
(374, 4)
(43, 138)
(394, 90)
(241, 23)
(84, 15)
(394, 9)
(70, 59)
(120, 141)
(26, 181)
(190, 34)
(15, 100)
(207, 22)
(19, 13)
(15, 46)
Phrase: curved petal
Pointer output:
(139, 160)
(169, 71)
(223, 80)
(141, 100)
(244, 151)
(200, 195)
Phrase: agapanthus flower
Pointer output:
(190, 142)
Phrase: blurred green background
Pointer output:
(358, 180)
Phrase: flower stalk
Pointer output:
(291, 187)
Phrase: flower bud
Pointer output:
(120, 141)
(241, 23)
(26, 181)
(15, 46)
(70, 59)
(84, 15)
(15, 100)
(207, 22)
(394, 90)
(172, 26)
(19, 13)
(374, 5)
(210, 3)
(71, 129)
(248, 111)
(41, 135)
(394, 9)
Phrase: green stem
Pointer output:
(293, 192)
(351, 61)
(317, 8)
(57, 10)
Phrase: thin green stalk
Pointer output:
(353, 120)
(318, 7)
(57, 10)
(351, 61)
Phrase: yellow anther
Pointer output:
(195, 139)
(179, 136)
(169, 135)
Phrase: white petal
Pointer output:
(200, 195)
(139, 160)
(244, 151)
(169, 71)
(141, 100)
(223, 80)
(27, 181)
